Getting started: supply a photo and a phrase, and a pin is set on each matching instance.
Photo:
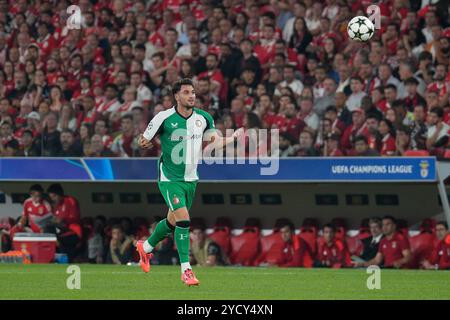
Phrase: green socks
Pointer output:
(182, 240)
(162, 230)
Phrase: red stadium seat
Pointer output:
(341, 233)
(222, 236)
(421, 247)
(308, 233)
(271, 248)
(141, 232)
(416, 153)
(402, 227)
(310, 236)
(245, 247)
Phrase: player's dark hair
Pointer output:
(394, 221)
(37, 188)
(443, 223)
(56, 188)
(182, 82)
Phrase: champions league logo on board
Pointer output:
(424, 164)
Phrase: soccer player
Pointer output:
(37, 212)
(181, 129)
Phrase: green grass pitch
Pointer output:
(163, 282)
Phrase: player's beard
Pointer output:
(187, 105)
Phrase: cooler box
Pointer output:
(41, 246)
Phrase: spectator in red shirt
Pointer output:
(238, 111)
(358, 127)
(394, 250)
(391, 38)
(440, 258)
(123, 143)
(386, 131)
(332, 252)
(331, 146)
(373, 137)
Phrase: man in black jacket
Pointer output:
(370, 244)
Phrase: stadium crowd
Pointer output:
(385, 242)
(257, 64)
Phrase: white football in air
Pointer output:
(360, 28)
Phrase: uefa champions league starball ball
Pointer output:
(360, 28)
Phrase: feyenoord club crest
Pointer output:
(424, 168)
(198, 123)
(41, 211)
(394, 245)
